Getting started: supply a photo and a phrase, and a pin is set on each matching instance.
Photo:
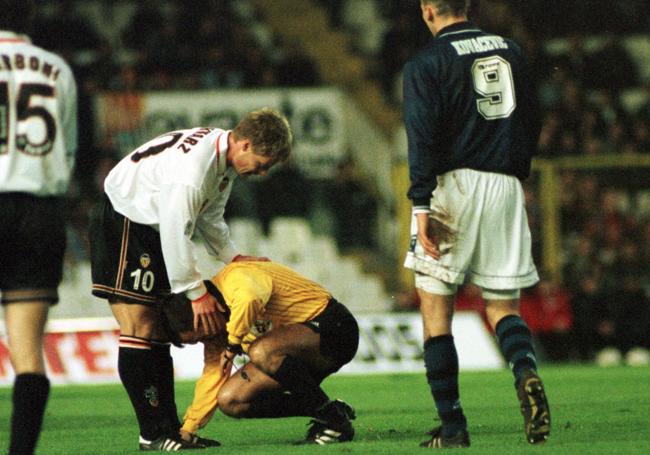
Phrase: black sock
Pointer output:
(164, 366)
(136, 368)
(295, 377)
(516, 344)
(30, 394)
(441, 362)
(278, 404)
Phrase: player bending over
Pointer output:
(160, 201)
(295, 333)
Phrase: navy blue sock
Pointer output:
(441, 362)
(164, 369)
(516, 344)
(30, 394)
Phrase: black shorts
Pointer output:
(339, 332)
(32, 245)
(126, 258)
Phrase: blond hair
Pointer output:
(269, 132)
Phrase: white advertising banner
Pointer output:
(125, 121)
(83, 351)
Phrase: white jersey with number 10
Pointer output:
(38, 118)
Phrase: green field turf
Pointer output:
(594, 410)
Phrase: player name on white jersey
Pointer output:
(38, 118)
(480, 44)
(11, 62)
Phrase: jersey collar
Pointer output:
(10, 37)
(221, 150)
(458, 27)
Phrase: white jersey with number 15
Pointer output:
(38, 118)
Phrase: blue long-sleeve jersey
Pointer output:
(469, 102)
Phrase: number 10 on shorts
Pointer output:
(145, 279)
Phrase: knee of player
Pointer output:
(261, 355)
(229, 404)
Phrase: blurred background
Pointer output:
(338, 211)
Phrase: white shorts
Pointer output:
(483, 233)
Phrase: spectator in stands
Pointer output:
(149, 17)
(580, 264)
(616, 136)
(643, 112)
(630, 312)
(572, 104)
(574, 61)
(289, 181)
(64, 29)
(353, 206)
(549, 137)
(399, 43)
(592, 325)
(610, 66)
(580, 206)
(334, 10)
(641, 135)
(593, 145)
(297, 68)
(644, 248)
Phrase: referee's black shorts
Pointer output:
(32, 246)
(339, 332)
(126, 258)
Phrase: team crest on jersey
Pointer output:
(151, 394)
(224, 183)
(261, 326)
(145, 260)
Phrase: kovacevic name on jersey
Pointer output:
(480, 105)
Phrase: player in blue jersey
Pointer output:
(470, 119)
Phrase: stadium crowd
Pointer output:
(604, 300)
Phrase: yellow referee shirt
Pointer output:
(261, 296)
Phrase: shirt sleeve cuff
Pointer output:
(234, 340)
(196, 292)
(191, 426)
(228, 253)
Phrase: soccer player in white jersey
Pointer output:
(160, 200)
(38, 138)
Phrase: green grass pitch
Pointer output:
(594, 411)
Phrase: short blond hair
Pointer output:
(269, 132)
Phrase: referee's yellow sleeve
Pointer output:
(246, 293)
(207, 388)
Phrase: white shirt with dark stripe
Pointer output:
(179, 183)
